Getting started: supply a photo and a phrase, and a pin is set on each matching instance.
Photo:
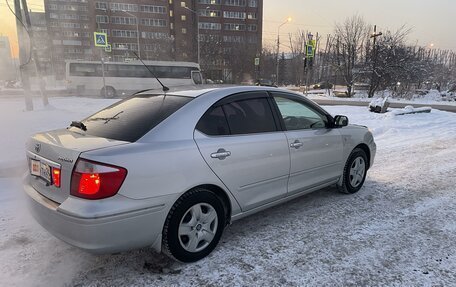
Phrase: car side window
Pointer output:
(213, 122)
(249, 116)
(299, 116)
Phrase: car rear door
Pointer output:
(316, 151)
(240, 140)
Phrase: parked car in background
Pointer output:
(265, 83)
(323, 85)
(171, 170)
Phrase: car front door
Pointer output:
(241, 141)
(316, 150)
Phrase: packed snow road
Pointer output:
(398, 230)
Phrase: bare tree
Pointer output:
(391, 58)
(297, 48)
(348, 48)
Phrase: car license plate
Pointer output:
(40, 169)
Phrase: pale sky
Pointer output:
(432, 21)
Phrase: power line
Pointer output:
(28, 34)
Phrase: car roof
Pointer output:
(227, 90)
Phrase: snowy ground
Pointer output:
(433, 97)
(398, 230)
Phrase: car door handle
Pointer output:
(297, 144)
(221, 154)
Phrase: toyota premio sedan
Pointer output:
(171, 170)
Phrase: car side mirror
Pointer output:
(340, 121)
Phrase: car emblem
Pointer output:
(65, 159)
(37, 147)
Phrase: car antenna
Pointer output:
(165, 88)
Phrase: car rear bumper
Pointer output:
(104, 234)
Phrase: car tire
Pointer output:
(193, 226)
(355, 171)
(110, 92)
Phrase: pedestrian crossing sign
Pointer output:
(100, 39)
(310, 52)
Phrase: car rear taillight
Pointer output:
(94, 180)
(56, 176)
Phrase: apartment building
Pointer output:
(41, 43)
(142, 26)
(70, 29)
(230, 32)
(230, 36)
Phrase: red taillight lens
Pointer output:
(93, 180)
(56, 176)
(89, 183)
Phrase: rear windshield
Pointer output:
(132, 118)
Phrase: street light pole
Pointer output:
(102, 66)
(278, 48)
(197, 32)
(137, 30)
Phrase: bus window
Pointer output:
(132, 71)
(180, 73)
(84, 70)
(162, 72)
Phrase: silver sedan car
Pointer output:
(171, 170)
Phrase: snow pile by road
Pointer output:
(432, 97)
(398, 230)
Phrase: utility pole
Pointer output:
(23, 61)
(34, 54)
(278, 48)
(374, 61)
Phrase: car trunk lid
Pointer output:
(59, 149)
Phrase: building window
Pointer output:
(232, 39)
(106, 31)
(153, 9)
(153, 22)
(253, 3)
(123, 20)
(234, 15)
(102, 19)
(184, 30)
(154, 35)
(210, 26)
(124, 33)
(101, 5)
(125, 46)
(183, 4)
(251, 15)
(124, 7)
(235, 3)
(234, 27)
(252, 28)
(152, 48)
(183, 17)
(209, 13)
(212, 2)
